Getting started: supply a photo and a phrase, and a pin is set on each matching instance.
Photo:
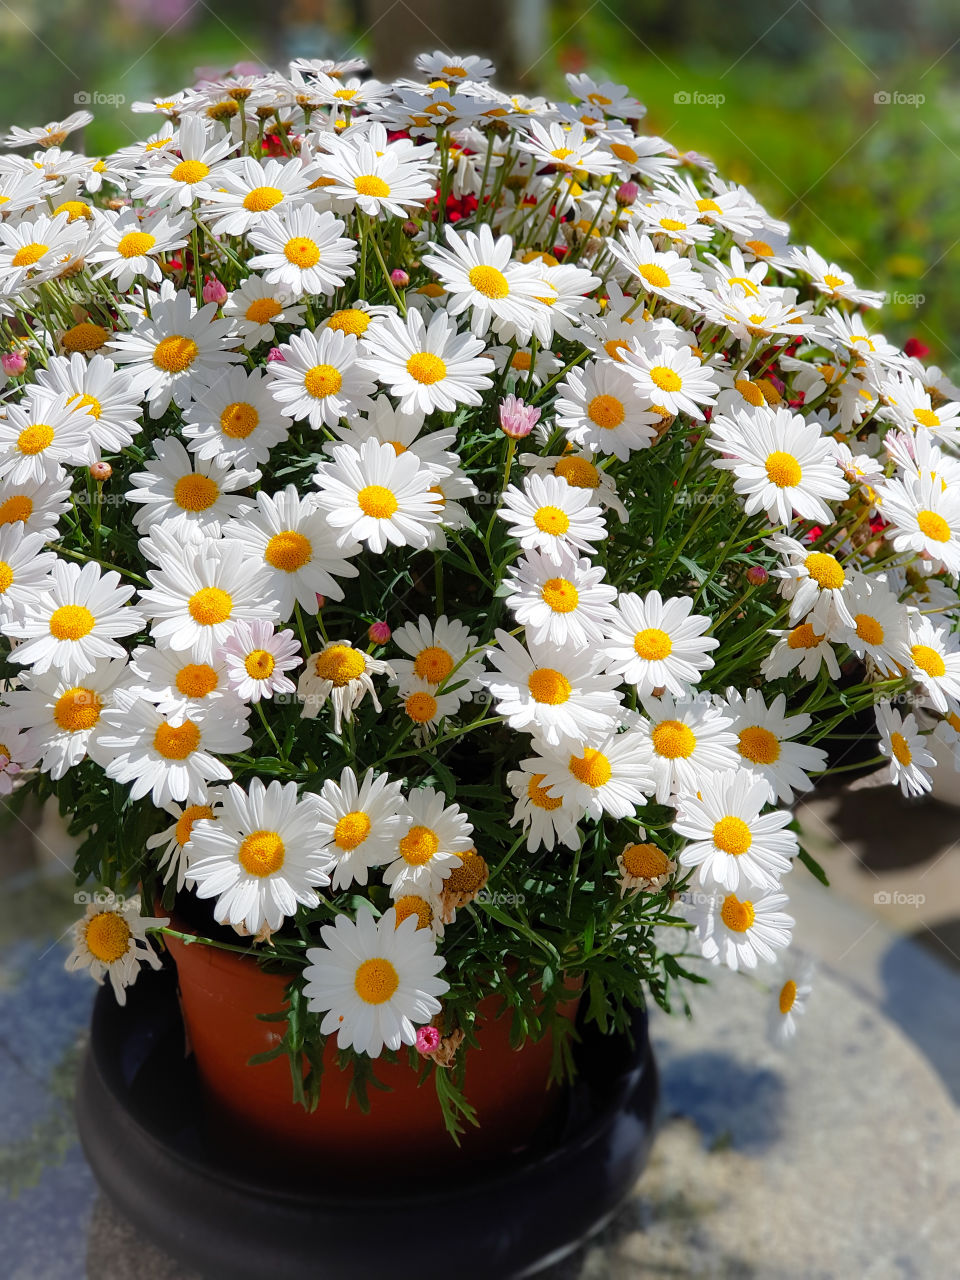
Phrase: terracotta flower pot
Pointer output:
(251, 1106)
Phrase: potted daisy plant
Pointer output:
(441, 533)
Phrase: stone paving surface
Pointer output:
(836, 1160)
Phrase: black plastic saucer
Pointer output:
(141, 1126)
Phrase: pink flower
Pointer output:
(757, 575)
(627, 193)
(379, 632)
(214, 291)
(399, 277)
(275, 355)
(428, 1040)
(516, 418)
(14, 363)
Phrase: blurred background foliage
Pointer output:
(841, 115)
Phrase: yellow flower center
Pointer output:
(538, 793)
(369, 184)
(521, 361)
(84, 337)
(418, 846)
(351, 830)
(259, 664)
(783, 470)
(578, 472)
(469, 875)
(708, 206)
(195, 492)
(562, 596)
(412, 905)
(190, 171)
(378, 501)
(175, 354)
(551, 520)
(489, 281)
(732, 835)
(759, 248)
(262, 853)
(30, 253)
(191, 814)
(788, 994)
(322, 380)
(673, 740)
(376, 981)
(736, 915)
(549, 686)
(34, 439)
(340, 664)
(107, 936)
(835, 282)
(176, 742)
(900, 748)
(933, 526)
(826, 570)
(302, 252)
(239, 420)
(16, 508)
(654, 275)
(426, 368)
(593, 768)
(90, 403)
(261, 310)
(421, 706)
(928, 660)
(803, 637)
(288, 551)
(6, 577)
(135, 244)
(868, 628)
(351, 320)
(260, 199)
(196, 680)
(606, 411)
(750, 391)
(210, 606)
(645, 861)
(759, 745)
(71, 622)
(561, 153)
(652, 644)
(77, 709)
(74, 209)
(433, 664)
(664, 378)
(926, 417)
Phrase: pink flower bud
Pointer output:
(428, 1040)
(757, 575)
(101, 471)
(14, 363)
(214, 291)
(627, 193)
(409, 228)
(275, 355)
(516, 418)
(321, 600)
(379, 632)
(399, 277)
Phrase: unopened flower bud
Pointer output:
(101, 471)
(321, 600)
(516, 418)
(428, 1040)
(757, 575)
(214, 291)
(409, 228)
(276, 356)
(379, 632)
(399, 278)
(627, 193)
(14, 363)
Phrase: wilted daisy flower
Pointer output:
(431, 847)
(194, 174)
(53, 134)
(438, 654)
(173, 840)
(610, 774)
(765, 743)
(256, 657)
(686, 740)
(935, 662)
(111, 939)
(375, 982)
(320, 378)
(41, 434)
(24, 569)
(186, 495)
(789, 997)
(303, 250)
(292, 544)
(657, 644)
(903, 744)
(802, 649)
(74, 621)
(560, 695)
(599, 409)
(562, 601)
(377, 497)
(260, 859)
(552, 516)
(360, 823)
(255, 308)
(342, 674)
(104, 393)
(128, 246)
(427, 366)
(236, 420)
(644, 867)
(740, 932)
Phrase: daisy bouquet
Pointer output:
(439, 533)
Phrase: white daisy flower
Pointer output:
(610, 774)
(563, 602)
(815, 583)
(104, 393)
(53, 134)
(672, 378)
(375, 982)
(934, 662)
(644, 867)
(344, 675)
(581, 472)
(803, 649)
(367, 172)
(377, 497)
(256, 657)
(557, 694)
(427, 367)
(827, 277)
(740, 932)
(879, 629)
(175, 681)
(431, 847)
(402, 431)
(550, 515)
(128, 246)
(426, 706)
(598, 408)
(910, 404)
(303, 250)
(111, 939)
(291, 541)
(236, 420)
(255, 308)
(686, 740)
(181, 180)
(248, 189)
(454, 68)
(789, 998)
(41, 434)
(782, 463)
(764, 741)
(168, 757)
(173, 840)
(38, 250)
(186, 495)
(729, 838)
(566, 147)
(541, 815)
(24, 569)
(74, 621)
(666, 275)
(261, 858)
(657, 644)
(320, 378)
(905, 747)
(923, 516)
(438, 654)
(360, 823)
